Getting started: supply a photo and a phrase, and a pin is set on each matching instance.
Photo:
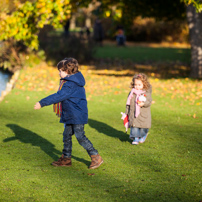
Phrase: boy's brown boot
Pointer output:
(96, 161)
(62, 161)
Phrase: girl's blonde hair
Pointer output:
(143, 78)
(69, 65)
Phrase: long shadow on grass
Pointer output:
(110, 183)
(29, 137)
(108, 130)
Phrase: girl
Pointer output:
(138, 108)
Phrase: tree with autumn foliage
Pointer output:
(24, 23)
(21, 22)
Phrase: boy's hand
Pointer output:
(37, 106)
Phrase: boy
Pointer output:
(71, 105)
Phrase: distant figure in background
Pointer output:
(66, 28)
(81, 33)
(87, 32)
(120, 36)
(98, 33)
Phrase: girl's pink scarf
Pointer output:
(138, 93)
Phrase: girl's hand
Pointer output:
(141, 104)
(37, 106)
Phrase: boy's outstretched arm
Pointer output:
(37, 106)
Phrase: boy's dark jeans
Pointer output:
(78, 131)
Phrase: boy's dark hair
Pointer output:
(69, 65)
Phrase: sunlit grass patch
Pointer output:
(144, 53)
(167, 167)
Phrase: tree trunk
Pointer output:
(73, 22)
(195, 32)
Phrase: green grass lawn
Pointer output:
(167, 167)
(144, 54)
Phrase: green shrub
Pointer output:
(57, 47)
(149, 30)
(12, 55)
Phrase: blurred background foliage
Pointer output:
(37, 27)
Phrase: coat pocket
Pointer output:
(144, 115)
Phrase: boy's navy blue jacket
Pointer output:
(73, 99)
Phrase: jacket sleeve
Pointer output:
(148, 98)
(127, 106)
(127, 109)
(61, 95)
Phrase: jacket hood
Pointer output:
(76, 78)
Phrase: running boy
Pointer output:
(70, 105)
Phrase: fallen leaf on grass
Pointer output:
(90, 173)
